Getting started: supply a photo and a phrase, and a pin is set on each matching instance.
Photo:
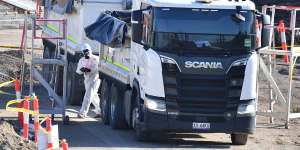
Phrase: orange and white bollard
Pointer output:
(18, 94)
(64, 144)
(283, 40)
(26, 118)
(36, 118)
(48, 128)
(40, 12)
(258, 35)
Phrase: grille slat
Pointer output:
(200, 100)
(203, 94)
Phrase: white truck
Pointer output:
(189, 66)
(83, 13)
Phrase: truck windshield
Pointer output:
(188, 30)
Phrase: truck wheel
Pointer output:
(135, 114)
(74, 93)
(47, 68)
(117, 117)
(104, 102)
(239, 139)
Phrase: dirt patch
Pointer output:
(10, 140)
(281, 76)
(10, 64)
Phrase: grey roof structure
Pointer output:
(23, 4)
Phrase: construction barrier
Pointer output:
(26, 118)
(36, 118)
(18, 96)
(48, 128)
(283, 40)
(64, 144)
(40, 12)
(258, 35)
(19, 47)
(23, 36)
(52, 141)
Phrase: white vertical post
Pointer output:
(288, 104)
(65, 58)
(270, 63)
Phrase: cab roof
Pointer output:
(215, 4)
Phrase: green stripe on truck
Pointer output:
(69, 38)
(117, 64)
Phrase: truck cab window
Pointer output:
(147, 26)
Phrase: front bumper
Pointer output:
(161, 122)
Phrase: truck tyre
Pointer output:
(47, 68)
(104, 102)
(74, 94)
(239, 139)
(135, 113)
(117, 117)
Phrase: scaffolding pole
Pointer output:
(267, 70)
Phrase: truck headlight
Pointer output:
(167, 60)
(241, 62)
(247, 109)
(155, 104)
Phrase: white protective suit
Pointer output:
(91, 83)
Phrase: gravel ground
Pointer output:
(10, 140)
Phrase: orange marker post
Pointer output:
(64, 144)
(36, 118)
(283, 40)
(257, 33)
(48, 128)
(18, 94)
(26, 119)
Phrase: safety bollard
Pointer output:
(26, 118)
(48, 128)
(18, 94)
(257, 33)
(64, 144)
(283, 40)
(36, 118)
(40, 12)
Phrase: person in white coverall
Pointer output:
(88, 66)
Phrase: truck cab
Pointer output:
(190, 66)
(195, 65)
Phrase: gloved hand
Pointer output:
(83, 69)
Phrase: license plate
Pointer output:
(201, 126)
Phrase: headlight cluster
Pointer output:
(166, 60)
(169, 64)
(241, 62)
(155, 104)
(247, 109)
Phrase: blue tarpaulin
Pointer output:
(107, 30)
(59, 6)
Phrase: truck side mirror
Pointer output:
(265, 39)
(137, 26)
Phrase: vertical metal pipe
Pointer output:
(274, 45)
(270, 64)
(32, 54)
(24, 52)
(288, 104)
(65, 58)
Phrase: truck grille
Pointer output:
(202, 94)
